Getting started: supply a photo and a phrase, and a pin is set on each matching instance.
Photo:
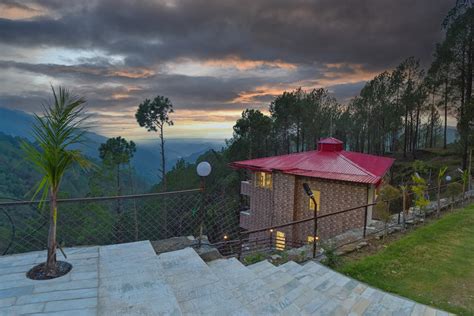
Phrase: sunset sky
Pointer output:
(212, 58)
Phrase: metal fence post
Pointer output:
(239, 254)
(365, 220)
(201, 211)
(315, 227)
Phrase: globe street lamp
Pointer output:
(203, 169)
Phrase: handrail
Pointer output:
(347, 210)
(306, 219)
(99, 198)
(277, 226)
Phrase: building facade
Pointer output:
(338, 179)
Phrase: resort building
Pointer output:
(339, 180)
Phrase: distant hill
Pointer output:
(147, 158)
(18, 177)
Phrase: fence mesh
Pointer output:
(102, 221)
(109, 220)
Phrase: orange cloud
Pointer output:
(334, 74)
(20, 12)
(245, 64)
(132, 73)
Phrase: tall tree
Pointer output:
(251, 135)
(116, 152)
(55, 132)
(154, 116)
(458, 47)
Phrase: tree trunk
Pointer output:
(445, 113)
(163, 163)
(119, 191)
(415, 135)
(438, 198)
(53, 215)
(463, 119)
(405, 141)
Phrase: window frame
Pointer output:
(264, 180)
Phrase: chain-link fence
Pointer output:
(108, 220)
(212, 212)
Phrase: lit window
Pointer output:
(264, 180)
(317, 197)
(280, 241)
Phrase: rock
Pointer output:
(362, 244)
(346, 249)
(171, 244)
(275, 257)
(208, 253)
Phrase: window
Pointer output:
(310, 239)
(317, 197)
(264, 180)
(280, 241)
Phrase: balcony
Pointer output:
(245, 219)
(245, 188)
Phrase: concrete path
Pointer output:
(130, 279)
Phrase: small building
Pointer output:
(339, 180)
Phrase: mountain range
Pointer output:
(147, 158)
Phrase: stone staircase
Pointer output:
(227, 287)
(130, 279)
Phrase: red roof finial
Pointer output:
(330, 144)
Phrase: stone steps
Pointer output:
(249, 287)
(197, 289)
(130, 279)
(226, 286)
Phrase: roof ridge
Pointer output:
(356, 165)
(344, 173)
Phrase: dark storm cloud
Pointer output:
(206, 55)
(375, 33)
(191, 92)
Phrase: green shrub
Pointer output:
(254, 258)
(332, 260)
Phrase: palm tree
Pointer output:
(55, 132)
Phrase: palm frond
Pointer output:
(60, 127)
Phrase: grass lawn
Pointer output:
(433, 265)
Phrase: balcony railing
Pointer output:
(245, 219)
(245, 187)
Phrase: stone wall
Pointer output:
(335, 196)
(287, 202)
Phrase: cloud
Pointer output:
(212, 57)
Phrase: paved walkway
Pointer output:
(129, 279)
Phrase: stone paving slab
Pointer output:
(20, 295)
(129, 279)
(110, 280)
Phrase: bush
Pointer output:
(332, 260)
(453, 190)
(254, 258)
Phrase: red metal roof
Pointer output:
(335, 165)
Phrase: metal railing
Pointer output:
(118, 219)
(264, 239)
(156, 216)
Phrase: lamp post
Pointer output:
(203, 169)
(315, 227)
